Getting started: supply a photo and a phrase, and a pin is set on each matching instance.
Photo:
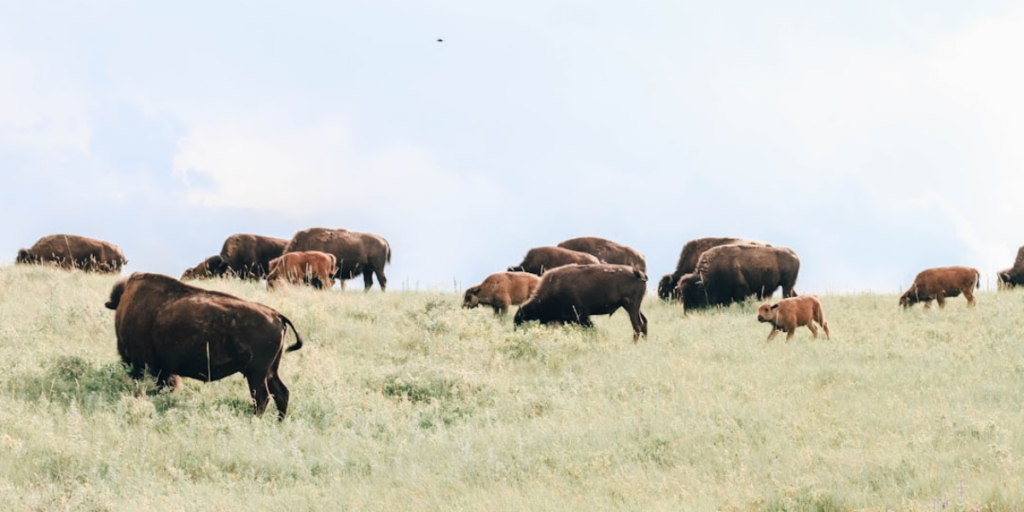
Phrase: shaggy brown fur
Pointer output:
(302, 266)
(794, 312)
(689, 256)
(501, 290)
(731, 273)
(541, 259)
(174, 330)
(571, 293)
(940, 283)
(248, 256)
(73, 251)
(607, 251)
(356, 253)
(210, 267)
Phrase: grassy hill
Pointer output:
(404, 401)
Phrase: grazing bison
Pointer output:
(210, 267)
(607, 251)
(248, 256)
(731, 273)
(541, 259)
(794, 312)
(688, 260)
(571, 293)
(356, 253)
(501, 290)
(1013, 276)
(73, 251)
(176, 330)
(297, 267)
(939, 283)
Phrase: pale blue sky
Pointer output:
(874, 138)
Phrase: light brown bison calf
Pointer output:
(302, 266)
(794, 312)
(939, 283)
(501, 290)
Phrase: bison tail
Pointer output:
(388, 248)
(977, 279)
(298, 339)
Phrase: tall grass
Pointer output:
(405, 401)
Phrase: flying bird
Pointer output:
(440, 40)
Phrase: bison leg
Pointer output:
(381, 280)
(259, 392)
(814, 330)
(790, 333)
(824, 326)
(367, 279)
(969, 295)
(280, 393)
(771, 335)
(941, 301)
(639, 323)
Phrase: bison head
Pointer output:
(470, 300)
(26, 257)
(767, 312)
(665, 286)
(909, 298)
(115, 294)
(690, 289)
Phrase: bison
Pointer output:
(794, 312)
(248, 256)
(210, 267)
(571, 293)
(173, 330)
(607, 251)
(73, 251)
(688, 260)
(1013, 276)
(296, 267)
(731, 273)
(939, 283)
(356, 253)
(501, 290)
(541, 259)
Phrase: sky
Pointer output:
(874, 138)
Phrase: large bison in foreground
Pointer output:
(1013, 276)
(570, 294)
(356, 253)
(73, 251)
(939, 283)
(501, 290)
(732, 273)
(688, 260)
(248, 256)
(541, 259)
(607, 251)
(175, 330)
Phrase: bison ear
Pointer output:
(775, 306)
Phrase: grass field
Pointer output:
(404, 401)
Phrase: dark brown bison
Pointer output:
(356, 253)
(607, 251)
(688, 260)
(501, 290)
(1013, 276)
(210, 267)
(541, 259)
(73, 251)
(174, 330)
(939, 283)
(732, 273)
(794, 312)
(571, 293)
(303, 266)
(248, 256)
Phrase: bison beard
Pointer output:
(570, 294)
(171, 329)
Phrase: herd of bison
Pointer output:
(172, 330)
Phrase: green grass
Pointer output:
(404, 401)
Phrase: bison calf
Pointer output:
(570, 294)
(794, 312)
(303, 266)
(174, 330)
(501, 290)
(940, 283)
(210, 267)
